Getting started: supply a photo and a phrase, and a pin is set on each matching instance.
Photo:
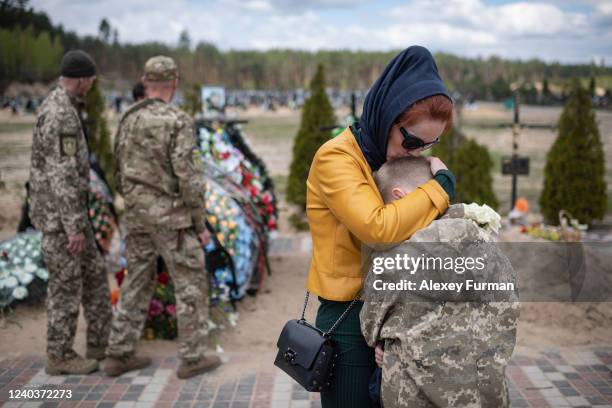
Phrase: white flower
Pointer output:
(24, 277)
(484, 216)
(233, 318)
(9, 283)
(42, 273)
(20, 292)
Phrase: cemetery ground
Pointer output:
(564, 351)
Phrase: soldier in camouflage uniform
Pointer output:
(163, 188)
(59, 180)
(443, 349)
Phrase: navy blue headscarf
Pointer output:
(411, 76)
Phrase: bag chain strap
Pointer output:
(340, 319)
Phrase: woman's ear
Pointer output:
(397, 193)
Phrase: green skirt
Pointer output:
(355, 363)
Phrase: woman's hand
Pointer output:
(378, 354)
(436, 164)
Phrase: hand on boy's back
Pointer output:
(436, 164)
(378, 354)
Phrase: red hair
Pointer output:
(437, 107)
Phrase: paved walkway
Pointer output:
(553, 379)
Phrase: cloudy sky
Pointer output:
(562, 30)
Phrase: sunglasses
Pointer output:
(411, 142)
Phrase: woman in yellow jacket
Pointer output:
(405, 112)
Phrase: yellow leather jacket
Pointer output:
(345, 209)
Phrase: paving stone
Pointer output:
(557, 378)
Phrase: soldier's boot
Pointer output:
(193, 368)
(74, 365)
(96, 353)
(114, 366)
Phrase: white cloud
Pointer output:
(544, 29)
(508, 20)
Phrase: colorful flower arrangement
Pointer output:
(161, 320)
(216, 146)
(237, 236)
(568, 230)
(100, 203)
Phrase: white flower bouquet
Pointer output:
(483, 215)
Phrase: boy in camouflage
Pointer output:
(441, 348)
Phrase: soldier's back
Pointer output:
(151, 190)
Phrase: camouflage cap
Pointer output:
(160, 68)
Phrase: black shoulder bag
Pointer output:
(308, 354)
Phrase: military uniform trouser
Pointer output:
(184, 258)
(75, 280)
(459, 362)
(406, 383)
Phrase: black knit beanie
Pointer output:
(77, 64)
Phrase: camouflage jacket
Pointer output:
(59, 172)
(156, 171)
(405, 316)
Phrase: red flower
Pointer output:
(253, 191)
(119, 276)
(163, 278)
(269, 208)
(266, 198)
(171, 309)
(247, 177)
(272, 223)
(155, 308)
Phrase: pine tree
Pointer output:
(575, 164)
(472, 167)
(546, 95)
(471, 164)
(317, 112)
(99, 135)
(193, 100)
(446, 150)
(592, 87)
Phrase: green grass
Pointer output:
(15, 127)
(272, 129)
(601, 81)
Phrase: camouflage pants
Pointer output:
(455, 359)
(186, 268)
(75, 280)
